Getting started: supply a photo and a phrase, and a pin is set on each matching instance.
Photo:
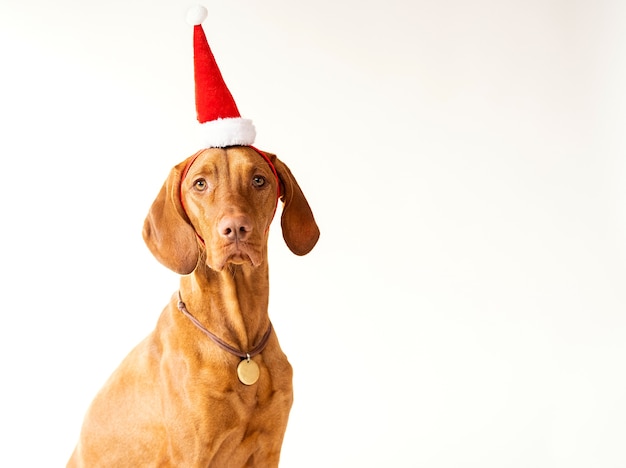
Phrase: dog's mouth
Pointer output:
(237, 253)
(239, 258)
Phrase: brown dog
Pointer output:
(176, 400)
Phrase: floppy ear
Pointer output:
(299, 228)
(167, 231)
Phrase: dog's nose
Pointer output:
(235, 228)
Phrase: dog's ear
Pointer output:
(167, 230)
(300, 230)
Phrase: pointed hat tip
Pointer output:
(196, 15)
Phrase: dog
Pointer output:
(210, 386)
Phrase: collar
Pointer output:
(258, 349)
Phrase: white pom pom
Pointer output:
(196, 15)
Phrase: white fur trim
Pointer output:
(196, 15)
(227, 132)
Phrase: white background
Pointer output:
(465, 160)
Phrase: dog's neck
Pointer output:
(231, 303)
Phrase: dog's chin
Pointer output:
(239, 259)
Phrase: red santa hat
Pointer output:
(221, 123)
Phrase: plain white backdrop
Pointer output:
(465, 160)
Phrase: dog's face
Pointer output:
(218, 205)
(230, 196)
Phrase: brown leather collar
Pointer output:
(258, 349)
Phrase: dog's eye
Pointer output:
(258, 181)
(200, 185)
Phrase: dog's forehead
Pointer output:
(229, 160)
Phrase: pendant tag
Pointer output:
(248, 371)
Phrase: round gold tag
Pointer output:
(248, 372)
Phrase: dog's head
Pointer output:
(221, 202)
